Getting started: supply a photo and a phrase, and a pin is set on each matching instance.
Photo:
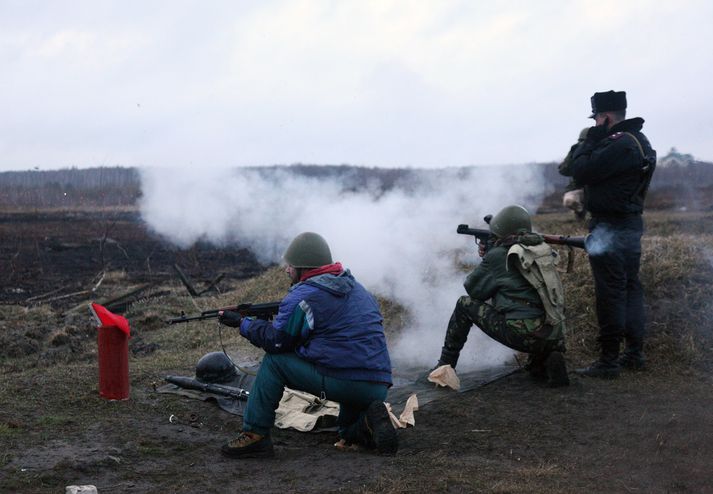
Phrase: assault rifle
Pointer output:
(218, 389)
(262, 311)
(485, 236)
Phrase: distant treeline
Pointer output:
(673, 187)
(70, 188)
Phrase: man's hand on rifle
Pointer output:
(482, 249)
(230, 318)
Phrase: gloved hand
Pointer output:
(230, 318)
(597, 133)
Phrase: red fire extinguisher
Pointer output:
(113, 341)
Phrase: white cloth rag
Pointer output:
(445, 376)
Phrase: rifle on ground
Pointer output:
(218, 389)
(264, 311)
(482, 235)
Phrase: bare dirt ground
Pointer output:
(650, 431)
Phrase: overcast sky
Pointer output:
(376, 83)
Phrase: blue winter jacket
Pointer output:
(332, 321)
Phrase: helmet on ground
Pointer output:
(511, 220)
(215, 368)
(308, 250)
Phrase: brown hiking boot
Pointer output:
(380, 430)
(248, 445)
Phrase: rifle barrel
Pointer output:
(261, 311)
(220, 389)
(181, 319)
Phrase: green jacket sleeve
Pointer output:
(481, 283)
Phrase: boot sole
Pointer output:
(383, 431)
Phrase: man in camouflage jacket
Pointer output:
(515, 315)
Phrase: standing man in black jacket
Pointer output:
(615, 163)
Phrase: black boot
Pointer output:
(604, 369)
(556, 370)
(535, 366)
(607, 367)
(380, 432)
(633, 357)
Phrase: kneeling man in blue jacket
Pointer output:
(328, 340)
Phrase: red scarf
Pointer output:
(335, 269)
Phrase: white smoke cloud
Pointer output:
(600, 241)
(400, 243)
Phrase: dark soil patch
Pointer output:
(58, 253)
(637, 434)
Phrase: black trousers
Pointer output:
(615, 257)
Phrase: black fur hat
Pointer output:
(608, 101)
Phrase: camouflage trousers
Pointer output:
(523, 335)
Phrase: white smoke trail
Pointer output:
(400, 243)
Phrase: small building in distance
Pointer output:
(675, 159)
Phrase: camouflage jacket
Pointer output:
(511, 294)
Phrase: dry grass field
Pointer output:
(646, 432)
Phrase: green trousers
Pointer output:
(287, 369)
(523, 335)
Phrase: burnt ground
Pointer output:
(49, 254)
(646, 432)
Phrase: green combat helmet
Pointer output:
(215, 368)
(308, 250)
(511, 220)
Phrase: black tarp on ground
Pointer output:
(406, 382)
(414, 381)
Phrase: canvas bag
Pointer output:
(538, 264)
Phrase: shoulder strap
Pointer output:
(648, 165)
(638, 144)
